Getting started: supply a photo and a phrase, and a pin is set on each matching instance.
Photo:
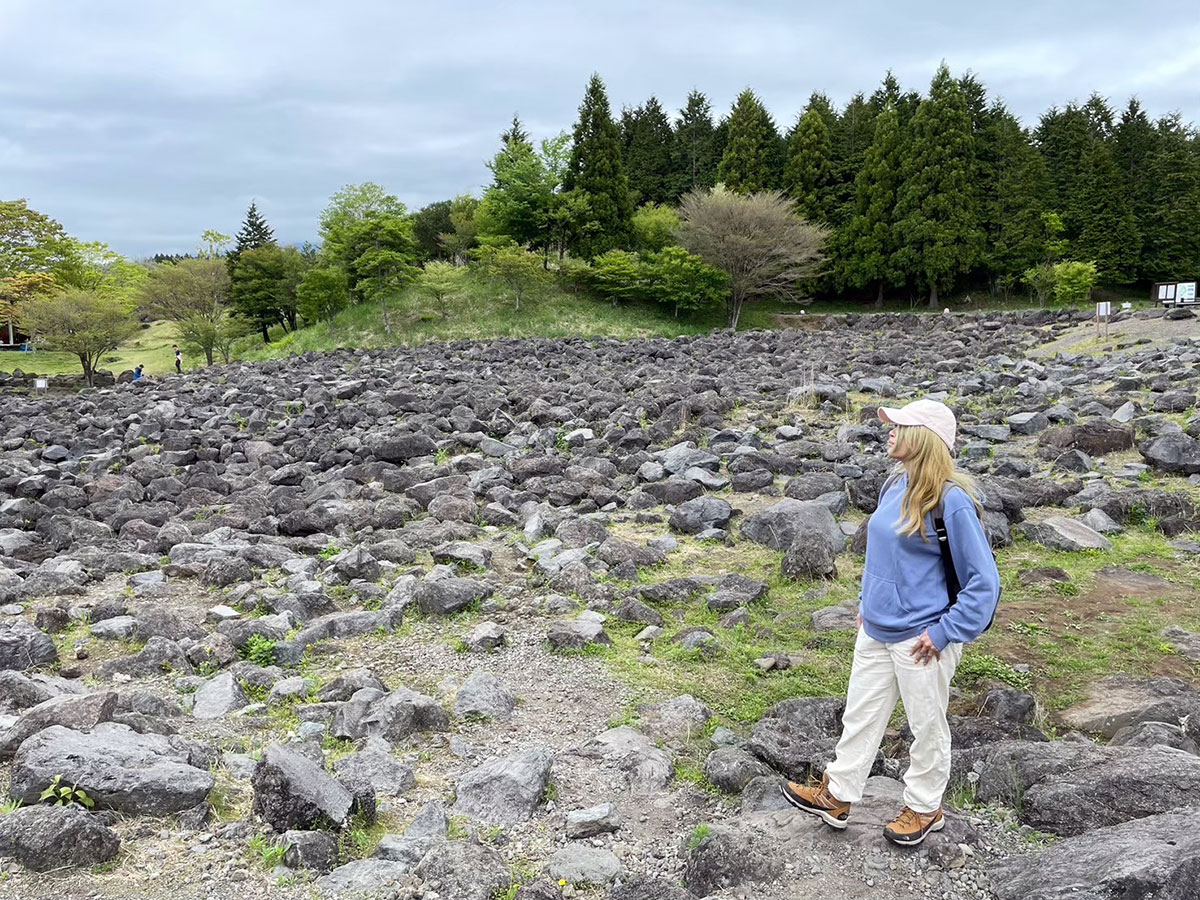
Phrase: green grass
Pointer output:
(1068, 635)
(268, 852)
(483, 313)
(150, 346)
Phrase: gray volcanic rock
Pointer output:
(45, 838)
(778, 526)
(1069, 788)
(291, 791)
(23, 647)
(1156, 856)
(146, 774)
(505, 791)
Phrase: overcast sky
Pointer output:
(144, 123)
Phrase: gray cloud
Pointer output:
(144, 123)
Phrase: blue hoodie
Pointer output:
(904, 584)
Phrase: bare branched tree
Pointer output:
(759, 241)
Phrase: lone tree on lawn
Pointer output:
(757, 240)
(194, 294)
(85, 323)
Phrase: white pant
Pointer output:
(881, 674)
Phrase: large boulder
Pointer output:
(700, 514)
(1153, 857)
(1095, 438)
(139, 774)
(448, 595)
(464, 870)
(483, 695)
(292, 791)
(505, 791)
(218, 696)
(1069, 788)
(778, 526)
(45, 838)
(1174, 452)
(23, 647)
(79, 712)
(797, 737)
(645, 766)
(726, 858)
(1117, 701)
(1061, 533)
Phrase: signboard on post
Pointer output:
(40, 384)
(1170, 293)
(1103, 313)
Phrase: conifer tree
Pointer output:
(695, 165)
(809, 175)
(752, 151)
(866, 248)
(1017, 234)
(1134, 146)
(1108, 235)
(254, 233)
(936, 220)
(1172, 242)
(515, 135)
(596, 174)
(857, 130)
(648, 153)
(1063, 137)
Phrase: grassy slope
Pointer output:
(151, 347)
(480, 314)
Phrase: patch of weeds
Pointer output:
(699, 833)
(7, 806)
(551, 792)
(60, 794)
(976, 667)
(268, 852)
(693, 773)
(106, 868)
(492, 835)
(1066, 588)
(260, 650)
(457, 830)
(256, 693)
(329, 551)
(337, 748)
(359, 839)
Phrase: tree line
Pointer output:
(918, 194)
(894, 193)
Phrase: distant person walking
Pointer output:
(921, 601)
(178, 359)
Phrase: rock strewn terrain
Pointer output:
(378, 619)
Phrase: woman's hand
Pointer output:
(923, 650)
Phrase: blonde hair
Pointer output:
(930, 468)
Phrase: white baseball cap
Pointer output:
(935, 416)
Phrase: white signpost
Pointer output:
(1185, 292)
(40, 384)
(1103, 313)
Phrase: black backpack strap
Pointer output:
(943, 539)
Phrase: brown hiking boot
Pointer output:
(818, 801)
(911, 827)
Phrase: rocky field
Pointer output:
(541, 619)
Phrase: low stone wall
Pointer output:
(20, 381)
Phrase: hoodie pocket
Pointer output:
(881, 603)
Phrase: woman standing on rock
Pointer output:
(911, 629)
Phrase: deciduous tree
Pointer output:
(758, 241)
(85, 323)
